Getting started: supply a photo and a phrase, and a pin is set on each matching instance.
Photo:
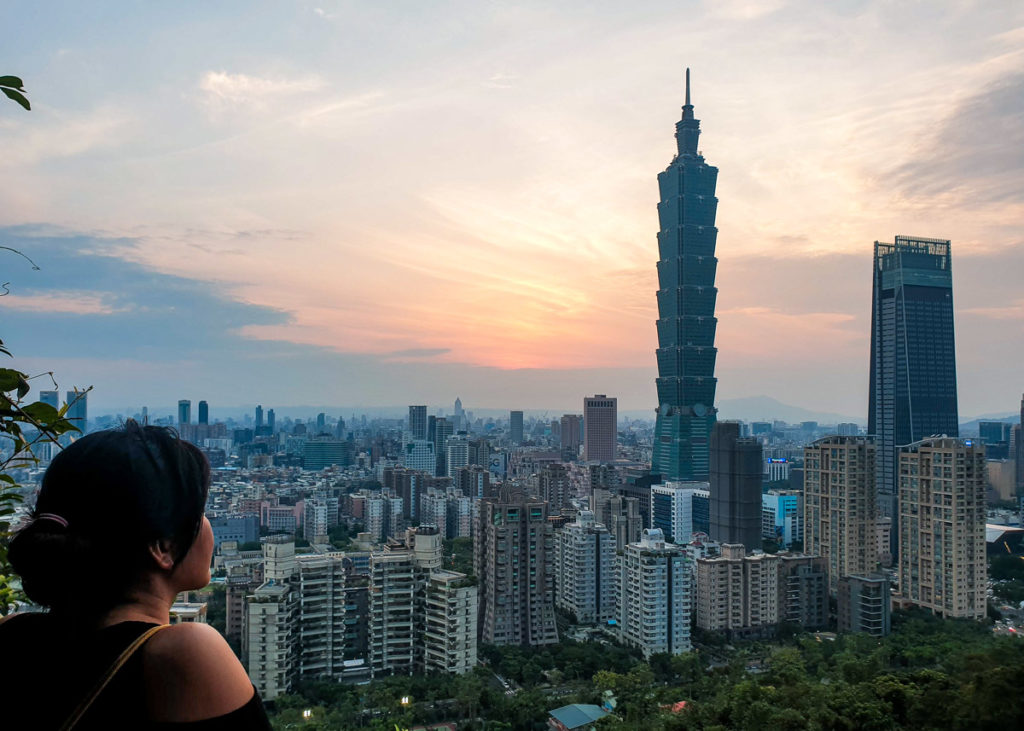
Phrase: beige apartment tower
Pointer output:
(942, 563)
(840, 522)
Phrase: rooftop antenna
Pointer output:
(687, 86)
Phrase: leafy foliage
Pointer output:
(14, 89)
(23, 428)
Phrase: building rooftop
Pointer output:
(578, 715)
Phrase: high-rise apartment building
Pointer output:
(419, 455)
(570, 436)
(513, 547)
(600, 428)
(686, 307)
(50, 398)
(839, 505)
(735, 486)
(553, 485)
(449, 621)
(621, 515)
(515, 427)
(672, 509)
(184, 411)
(392, 613)
(418, 422)
(456, 454)
(737, 593)
(803, 591)
(473, 481)
(942, 562)
(433, 510)
(655, 595)
(204, 412)
(270, 420)
(271, 642)
(913, 366)
(259, 416)
(586, 574)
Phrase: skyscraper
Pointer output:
(515, 426)
(913, 367)
(570, 435)
(78, 411)
(686, 308)
(459, 415)
(259, 416)
(50, 398)
(442, 431)
(271, 417)
(600, 428)
(184, 411)
(418, 422)
(204, 412)
(735, 486)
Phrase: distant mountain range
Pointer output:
(764, 408)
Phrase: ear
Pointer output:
(162, 554)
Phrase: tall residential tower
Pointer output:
(686, 308)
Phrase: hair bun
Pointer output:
(49, 560)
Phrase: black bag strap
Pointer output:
(75, 717)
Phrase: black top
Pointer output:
(50, 671)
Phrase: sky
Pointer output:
(360, 203)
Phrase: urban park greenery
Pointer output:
(930, 673)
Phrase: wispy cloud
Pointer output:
(224, 90)
(74, 303)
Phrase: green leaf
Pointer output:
(12, 81)
(23, 387)
(8, 479)
(43, 413)
(10, 378)
(4, 350)
(16, 96)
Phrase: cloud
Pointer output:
(976, 152)
(76, 303)
(222, 89)
(500, 81)
(1014, 311)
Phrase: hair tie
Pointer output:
(54, 517)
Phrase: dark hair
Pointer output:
(119, 490)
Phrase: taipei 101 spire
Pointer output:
(686, 308)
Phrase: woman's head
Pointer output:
(120, 492)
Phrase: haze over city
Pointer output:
(322, 203)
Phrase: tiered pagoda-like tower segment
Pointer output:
(686, 308)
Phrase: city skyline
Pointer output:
(186, 242)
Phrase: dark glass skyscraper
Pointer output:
(686, 308)
(913, 365)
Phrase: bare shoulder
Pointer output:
(192, 674)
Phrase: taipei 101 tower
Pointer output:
(686, 308)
